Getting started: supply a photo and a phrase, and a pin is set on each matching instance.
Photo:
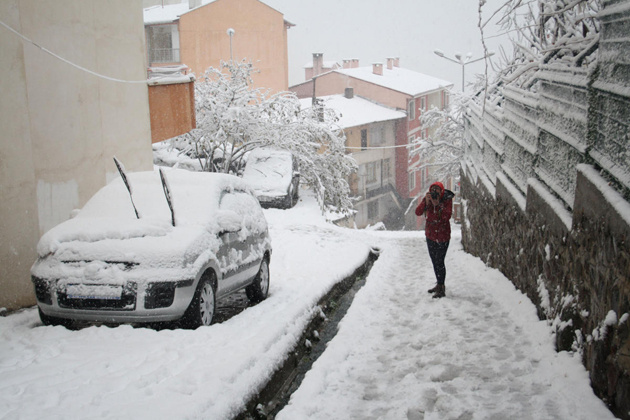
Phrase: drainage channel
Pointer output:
(334, 305)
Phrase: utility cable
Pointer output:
(46, 50)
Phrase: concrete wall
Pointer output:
(546, 199)
(260, 36)
(60, 125)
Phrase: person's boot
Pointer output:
(440, 291)
(434, 289)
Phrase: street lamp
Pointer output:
(462, 60)
(230, 32)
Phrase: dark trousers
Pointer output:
(437, 252)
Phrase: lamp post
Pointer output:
(230, 32)
(463, 61)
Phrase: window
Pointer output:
(363, 139)
(424, 179)
(371, 172)
(412, 181)
(444, 99)
(377, 135)
(163, 42)
(423, 103)
(372, 209)
(411, 112)
(386, 170)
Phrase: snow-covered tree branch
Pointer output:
(545, 31)
(234, 118)
(444, 147)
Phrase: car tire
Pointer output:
(289, 202)
(202, 308)
(53, 320)
(259, 289)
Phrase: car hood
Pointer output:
(149, 242)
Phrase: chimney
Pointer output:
(193, 3)
(390, 63)
(349, 93)
(318, 63)
(377, 68)
(347, 64)
(355, 63)
(396, 61)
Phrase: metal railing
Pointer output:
(164, 55)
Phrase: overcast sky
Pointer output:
(372, 30)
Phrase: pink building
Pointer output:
(392, 86)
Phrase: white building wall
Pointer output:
(61, 126)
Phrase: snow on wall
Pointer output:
(564, 215)
(515, 193)
(616, 201)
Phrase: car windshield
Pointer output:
(269, 170)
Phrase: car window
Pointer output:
(247, 207)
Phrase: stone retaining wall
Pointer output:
(546, 199)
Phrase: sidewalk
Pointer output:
(479, 353)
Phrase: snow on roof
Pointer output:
(170, 13)
(356, 111)
(164, 14)
(399, 79)
(326, 64)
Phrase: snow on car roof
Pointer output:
(269, 170)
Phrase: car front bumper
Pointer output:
(136, 302)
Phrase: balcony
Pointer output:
(163, 55)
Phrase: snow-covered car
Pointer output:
(274, 176)
(197, 237)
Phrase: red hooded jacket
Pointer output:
(438, 227)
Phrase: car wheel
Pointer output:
(53, 320)
(290, 200)
(258, 290)
(202, 307)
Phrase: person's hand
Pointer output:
(427, 199)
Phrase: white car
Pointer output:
(274, 176)
(109, 265)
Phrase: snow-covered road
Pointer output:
(479, 353)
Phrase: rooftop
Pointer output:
(356, 111)
(398, 79)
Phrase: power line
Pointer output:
(46, 50)
(380, 147)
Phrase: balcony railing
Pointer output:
(164, 55)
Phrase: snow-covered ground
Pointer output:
(479, 353)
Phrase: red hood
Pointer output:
(439, 184)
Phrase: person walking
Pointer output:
(438, 206)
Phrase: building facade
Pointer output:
(394, 87)
(370, 131)
(201, 34)
(61, 125)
